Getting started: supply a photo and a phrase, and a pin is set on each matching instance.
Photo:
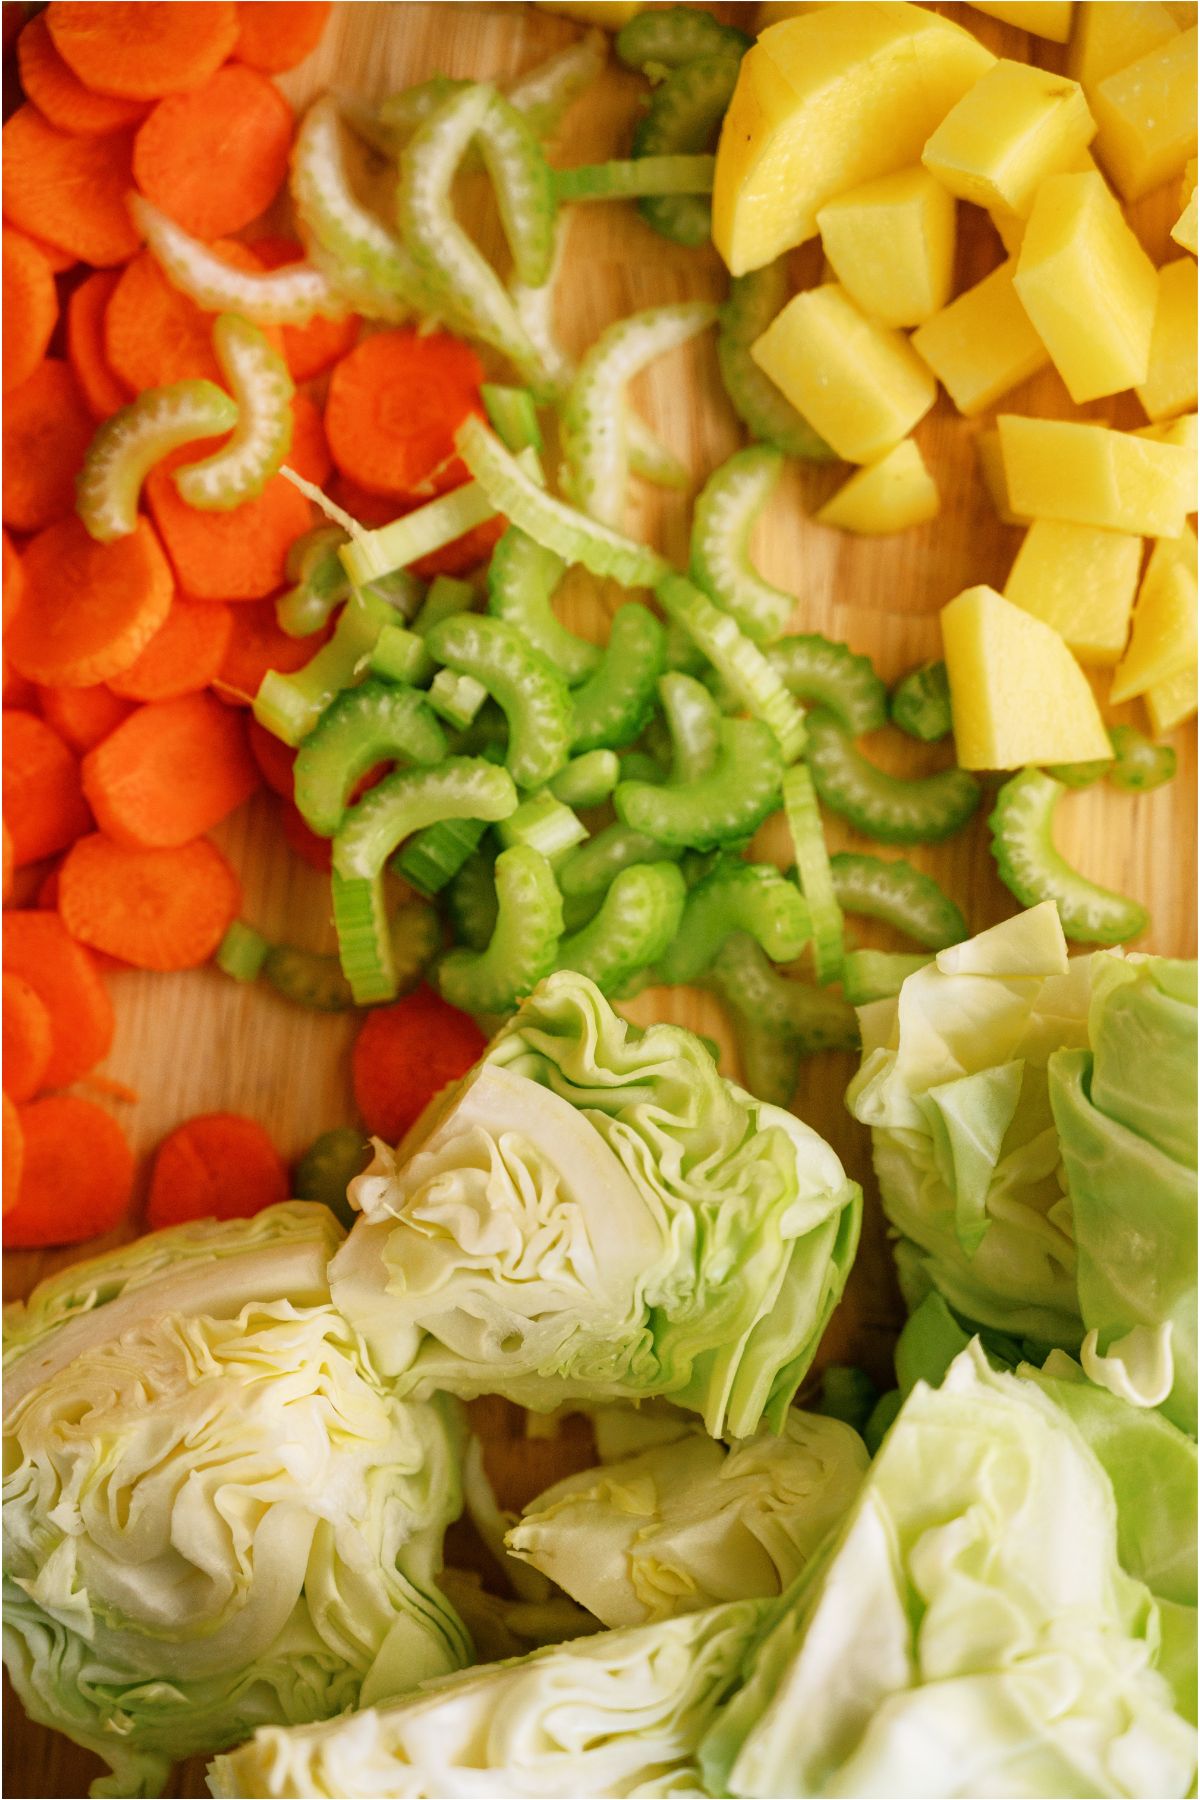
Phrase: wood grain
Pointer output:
(198, 1042)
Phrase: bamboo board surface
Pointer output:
(197, 1042)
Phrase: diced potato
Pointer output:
(1163, 642)
(991, 467)
(856, 382)
(1009, 229)
(611, 14)
(1110, 35)
(1183, 12)
(824, 102)
(1017, 695)
(891, 245)
(1015, 127)
(982, 344)
(1041, 18)
(1146, 116)
(1184, 230)
(1081, 581)
(1170, 703)
(1173, 431)
(888, 495)
(1088, 286)
(1170, 384)
(1090, 475)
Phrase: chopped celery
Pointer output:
(364, 942)
(684, 116)
(636, 922)
(128, 445)
(445, 597)
(262, 437)
(242, 952)
(922, 810)
(377, 722)
(753, 302)
(877, 974)
(430, 527)
(814, 873)
(290, 705)
(740, 662)
(309, 979)
(920, 703)
(736, 896)
(327, 1168)
(400, 655)
(1022, 827)
(811, 1018)
(829, 674)
(1140, 765)
(587, 780)
(320, 582)
(693, 721)
(291, 295)
(591, 870)
(434, 856)
(524, 940)
(669, 36)
(900, 896)
(513, 416)
(545, 824)
(456, 698)
(461, 787)
(727, 510)
(729, 802)
(614, 704)
(529, 689)
(545, 91)
(522, 578)
(525, 198)
(640, 177)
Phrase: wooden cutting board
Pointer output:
(197, 1042)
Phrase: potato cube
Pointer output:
(1088, 286)
(991, 468)
(1041, 18)
(1017, 695)
(1173, 431)
(1081, 581)
(1089, 475)
(1171, 702)
(1015, 127)
(1170, 384)
(888, 495)
(1163, 642)
(1111, 35)
(891, 245)
(857, 383)
(1184, 229)
(982, 344)
(1146, 116)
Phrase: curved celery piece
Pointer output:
(770, 1060)
(290, 705)
(327, 1168)
(242, 952)
(522, 578)
(364, 941)
(638, 178)
(1080, 774)
(665, 38)
(375, 723)
(309, 979)
(814, 873)
(594, 866)
(684, 116)
(642, 765)
(400, 114)
(547, 825)
(736, 896)
(829, 674)
(524, 188)
(898, 895)
(471, 900)
(739, 661)
(730, 802)
(431, 860)
(524, 684)
(920, 703)
(512, 414)
(763, 408)
(588, 779)
(1139, 764)
(261, 438)
(727, 509)
(291, 295)
(374, 555)
(127, 446)
(461, 787)
(524, 940)
(636, 922)
(923, 810)
(456, 698)
(613, 705)
(812, 1018)
(544, 93)
(877, 974)
(593, 414)
(1022, 828)
(320, 582)
(693, 720)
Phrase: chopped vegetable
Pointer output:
(404, 1055)
(76, 1174)
(1022, 828)
(614, 703)
(920, 703)
(718, 808)
(404, 802)
(523, 944)
(900, 896)
(921, 810)
(44, 807)
(69, 189)
(58, 93)
(638, 918)
(242, 952)
(90, 609)
(684, 116)
(140, 52)
(530, 691)
(275, 35)
(262, 435)
(522, 578)
(28, 1038)
(814, 873)
(236, 555)
(395, 403)
(30, 308)
(130, 443)
(87, 307)
(186, 653)
(831, 675)
(736, 896)
(39, 950)
(170, 772)
(636, 178)
(869, 975)
(1139, 765)
(156, 909)
(754, 300)
(46, 431)
(727, 509)
(214, 1166)
(214, 158)
(365, 726)
(739, 662)
(327, 1168)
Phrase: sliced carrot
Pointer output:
(27, 1038)
(300, 838)
(237, 555)
(214, 159)
(103, 390)
(309, 453)
(182, 657)
(465, 553)
(46, 898)
(44, 807)
(6, 861)
(14, 579)
(90, 608)
(405, 1054)
(39, 948)
(47, 429)
(274, 759)
(14, 1155)
(19, 695)
(57, 91)
(310, 349)
(69, 190)
(142, 49)
(173, 770)
(156, 909)
(279, 35)
(30, 308)
(394, 405)
(256, 644)
(82, 716)
(215, 1166)
(154, 335)
(76, 1177)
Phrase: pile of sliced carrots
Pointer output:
(129, 666)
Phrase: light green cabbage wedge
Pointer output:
(594, 1213)
(216, 1513)
(968, 1630)
(693, 1523)
(616, 1714)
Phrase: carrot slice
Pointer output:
(39, 948)
(76, 1176)
(214, 158)
(47, 428)
(19, 695)
(173, 770)
(309, 453)
(405, 1054)
(44, 807)
(14, 1155)
(142, 49)
(103, 390)
(274, 758)
(300, 838)
(156, 909)
(310, 349)
(395, 403)
(237, 555)
(154, 335)
(90, 608)
(182, 657)
(27, 1038)
(278, 35)
(30, 308)
(82, 716)
(215, 1166)
(14, 579)
(256, 644)
(57, 91)
(69, 190)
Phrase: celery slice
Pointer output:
(739, 661)
(460, 787)
(725, 805)
(363, 727)
(684, 115)
(869, 975)
(814, 872)
(899, 896)
(364, 942)
(1022, 827)
(262, 436)
(523, 944)
(242, 952)
(636, 922)
(637, 178)
(727, 510)
(127, 446)
(289, 296)
(736, 896)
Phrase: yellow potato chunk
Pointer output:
(1090, 475)
(888, 495)
(1017, 695)
(1174, 431)
(1015, 127)
(1146, 116)
(982, 344)
(1184, 229)
(991, 468)
(1110, 35)
(1171, 702)
(1163, 641)
(1041, 18)
(1088, 286)
(856, 382)
(1080, 581)
(824, 102)
(1170, 384)
(891, 245)
(611, 14)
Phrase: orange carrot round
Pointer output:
(154, 335)
(39, 948)
(44, 807)
(103, 390)
(6, 860)
(395, 403)
(69, 190)
(214, 159)
(156, 909)
(14, 1155)
(19, 695)
(76, 1175)
(90, 608)
(237, 555)
(30, 307)
(58, 93)
(309, 453)
(14, 579)
(182, 657)
(27, 1038)
(142, 49)
(274, 758)
(47, 429)
(310, 349)
(82, 716)
(405, 1054)
(174, 769)
(279, 35)
(215, 1166)
(257, 644)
